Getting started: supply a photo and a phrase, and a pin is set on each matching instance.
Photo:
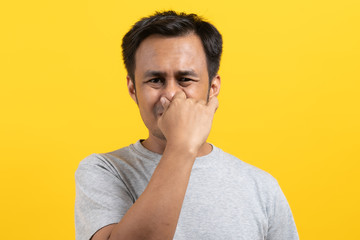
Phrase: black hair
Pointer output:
(172, 24)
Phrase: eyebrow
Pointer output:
(190, 73)
(151, 73)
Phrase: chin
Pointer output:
(158, 134)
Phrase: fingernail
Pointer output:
(162, 100)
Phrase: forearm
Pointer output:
(155, 214)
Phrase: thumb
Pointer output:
(165, 103)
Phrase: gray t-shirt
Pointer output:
(226, 198)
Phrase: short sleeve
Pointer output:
(281, 222)
(102, 198)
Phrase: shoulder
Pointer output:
(103, 158)
(104, 162)
(263, 190)
(253, 174)
(102, 195)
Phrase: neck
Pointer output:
(158, 145)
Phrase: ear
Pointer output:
(131, 88)
(215, 86)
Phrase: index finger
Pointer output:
(213, 103)
(180, 95)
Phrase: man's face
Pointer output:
(164, 66)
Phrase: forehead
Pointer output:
(164, 53)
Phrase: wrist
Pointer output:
(188, 151)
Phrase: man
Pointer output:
(175, 185)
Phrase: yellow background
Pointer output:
(289, 103)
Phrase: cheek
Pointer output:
(197, 92)
(147, 99)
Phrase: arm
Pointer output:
(155, 214)
(281, 222)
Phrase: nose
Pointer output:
(171, 87)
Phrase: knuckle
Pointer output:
(176, 101)
(202, 102)
(190, 100)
